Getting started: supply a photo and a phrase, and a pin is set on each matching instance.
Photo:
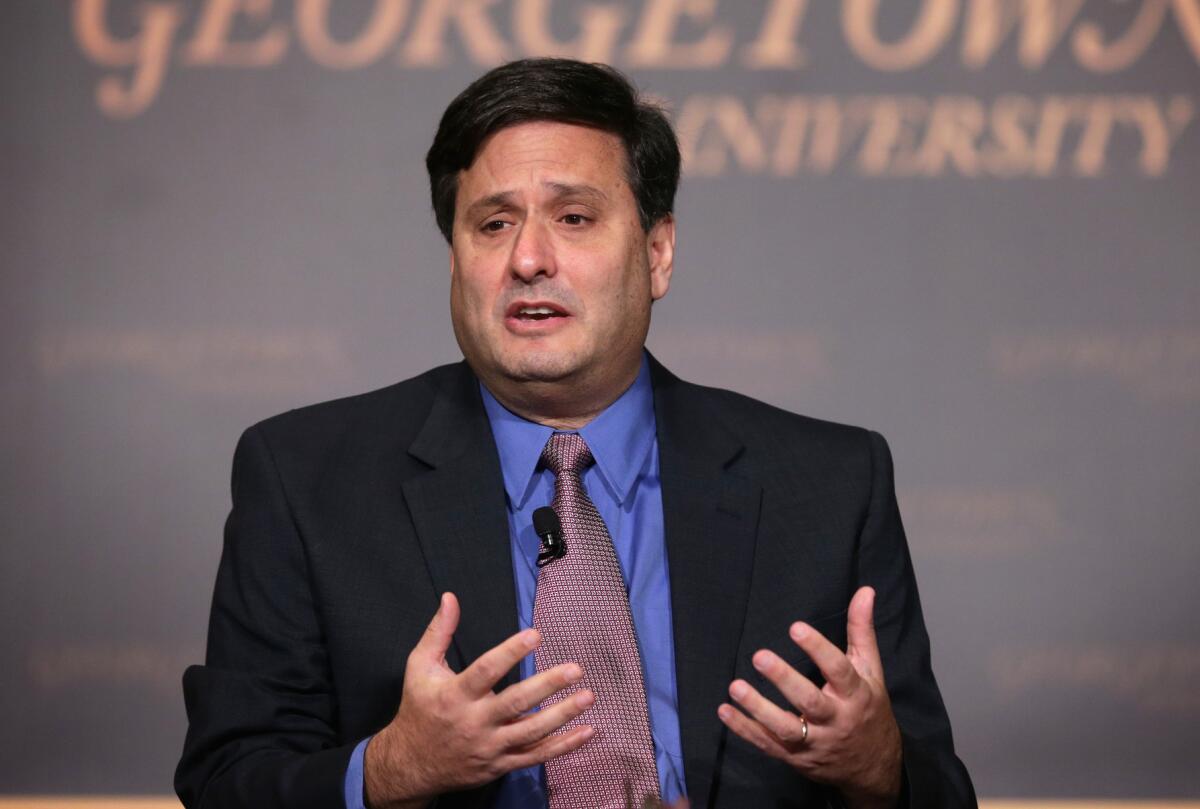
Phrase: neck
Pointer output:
(565, 405)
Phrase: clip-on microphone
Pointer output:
(548, 528)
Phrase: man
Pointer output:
(719, 553)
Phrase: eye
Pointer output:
(494, 225)
(574, 219)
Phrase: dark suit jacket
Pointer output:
(351, 517)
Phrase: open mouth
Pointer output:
(535, 312)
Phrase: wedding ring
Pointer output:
(803, 729)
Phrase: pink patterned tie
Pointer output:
(582, 611)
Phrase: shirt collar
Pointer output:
(619, 438)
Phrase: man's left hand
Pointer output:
(853, 741)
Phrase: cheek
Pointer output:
(470, 292)
(466, 311)
(635, 283)
(623, 302)
(458, 294)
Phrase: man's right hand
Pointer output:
(452, 732)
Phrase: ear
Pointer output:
(451, 250)
(660, 250)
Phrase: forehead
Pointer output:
(533, 154)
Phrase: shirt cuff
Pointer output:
(354, 777)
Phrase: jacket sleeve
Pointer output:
(262, 717)
(934, 777)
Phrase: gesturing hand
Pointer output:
(852, 740)
(451, 732)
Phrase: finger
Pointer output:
(438, 635)
(837, 669)
(535, 727)
(511, 703)
(797, 689)
(552, 746)
(479, 677)
(751, 731)
(860, 633)
(785, 725)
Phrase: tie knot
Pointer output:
(567, 452)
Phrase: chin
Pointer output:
(541, 367)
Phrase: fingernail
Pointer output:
(762, 662)
(584, 699)
(738, 689)
(587, 731)
(574, 673)
(530, 638)
(799, 630)
(724, 711)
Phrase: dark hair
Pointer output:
(562, 90)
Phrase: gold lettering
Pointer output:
(954, 127)
(1099, 114)
(653, 42)
(1188, 14)
(907, 135)
(776, 46)
(1088, 41)
(883, 132)
(210, 44)
(828, 124)
(889, 145)
(599, 28)
(1010, 153)
(731, 130)
(791, 116)
(379, 32)
(1159, 129)
(147, 53)
(924, 38)
(1043, 24)
(426, 46)
(689, 125)
(1056, 113)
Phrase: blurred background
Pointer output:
(972, 225)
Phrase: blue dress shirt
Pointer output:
(624, 484)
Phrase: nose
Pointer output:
(532, 252)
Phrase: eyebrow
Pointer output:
(559, 190)
(577, 190)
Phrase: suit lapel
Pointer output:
(461, 520)
(710, 515)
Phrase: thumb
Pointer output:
(438, 635)
(862, 648)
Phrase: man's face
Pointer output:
(552, 276)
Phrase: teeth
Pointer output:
(536, 310)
